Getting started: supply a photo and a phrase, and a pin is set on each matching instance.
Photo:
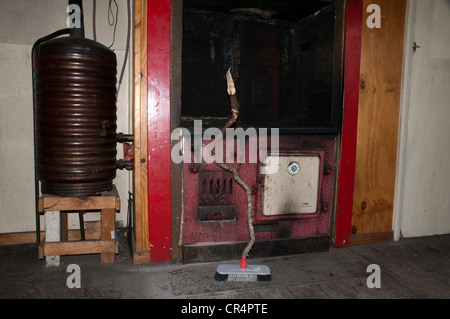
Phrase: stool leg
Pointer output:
(80, 215)
(108, 232)
(52, 234)
(64, 226)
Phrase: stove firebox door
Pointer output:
(294, 188)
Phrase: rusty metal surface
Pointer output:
(216, 187)
(75, 105)
(216, 196)
(216, 225)
(216, 213)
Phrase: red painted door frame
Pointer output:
(354, 11)
(158, 138)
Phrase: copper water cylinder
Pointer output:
(75, 116)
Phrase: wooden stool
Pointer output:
(55, 242)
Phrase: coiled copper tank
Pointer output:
(75, 116)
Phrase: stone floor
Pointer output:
(408, 269)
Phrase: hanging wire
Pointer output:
(112, 19)
(126, 47)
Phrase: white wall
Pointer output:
(22, 22)
(423, 189)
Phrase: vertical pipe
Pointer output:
(77, 30)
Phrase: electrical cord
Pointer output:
(127, 47)
(112, 20)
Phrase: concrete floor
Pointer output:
(411, 268)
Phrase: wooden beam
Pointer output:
(350, 119)
(75, 203)
(106, 200)
(80, 247)
(159, 130)
(141, 242)
(108, 232)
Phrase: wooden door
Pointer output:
(378, 122)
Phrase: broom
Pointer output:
(242, 272)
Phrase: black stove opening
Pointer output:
(285, 58)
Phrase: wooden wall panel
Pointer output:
(378, 122)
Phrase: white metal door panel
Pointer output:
(294, 188)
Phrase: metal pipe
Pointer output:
(123, 164)
(77, 30)
(121, 137)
